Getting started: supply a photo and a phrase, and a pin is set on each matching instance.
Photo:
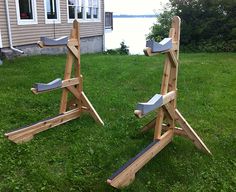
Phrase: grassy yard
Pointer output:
(80, 155)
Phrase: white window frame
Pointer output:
(27, 21)
(50, 21)
(84, 13)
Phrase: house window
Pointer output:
(95, 9)
(86, 10)
(26, 12)
(89, 9)
(52, 11)
(76, 9)
(109, 20)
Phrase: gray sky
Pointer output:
(134, 6)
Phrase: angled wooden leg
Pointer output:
(176, 115)
(91, 109)
(191, 133)
(86, 104)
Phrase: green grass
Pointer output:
(80, 155)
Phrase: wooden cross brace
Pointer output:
(167, 111)
(69, 110)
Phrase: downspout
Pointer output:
(9, 29)
(103, 36)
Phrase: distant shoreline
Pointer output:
(134, 16)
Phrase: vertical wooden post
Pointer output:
(169, 77)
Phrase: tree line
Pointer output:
(206, 25)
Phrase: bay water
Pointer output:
(131, 30)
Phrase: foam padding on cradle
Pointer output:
(57, 83)
(164, 45)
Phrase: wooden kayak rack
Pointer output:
(74, 85)
(167, 111)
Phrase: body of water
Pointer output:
(132, 31)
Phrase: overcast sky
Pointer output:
(134, 6)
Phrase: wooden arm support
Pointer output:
(148, 51)
(154, 103)
(65, 83)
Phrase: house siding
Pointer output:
(29, 34)
(3, 24)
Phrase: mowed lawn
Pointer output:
(80, 155)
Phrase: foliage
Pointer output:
(206, 25)
(160, 31)
(80, 155)
(123, 50)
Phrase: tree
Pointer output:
(160, 31)
(207, 25)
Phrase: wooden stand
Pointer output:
(167, 111)
(78, 104)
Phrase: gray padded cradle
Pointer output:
(155, 102)
(53, 42)
(164, 45)
(57, 83)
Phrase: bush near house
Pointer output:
(123, 50)
(80, 155)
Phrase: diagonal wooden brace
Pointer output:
(73, 50)
(172, 58)
(89, 107)
(176, 115)
(191, 133)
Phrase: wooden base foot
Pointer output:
(25, 134)
(126, 173)
(127, 180)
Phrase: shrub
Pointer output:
(123, 50)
